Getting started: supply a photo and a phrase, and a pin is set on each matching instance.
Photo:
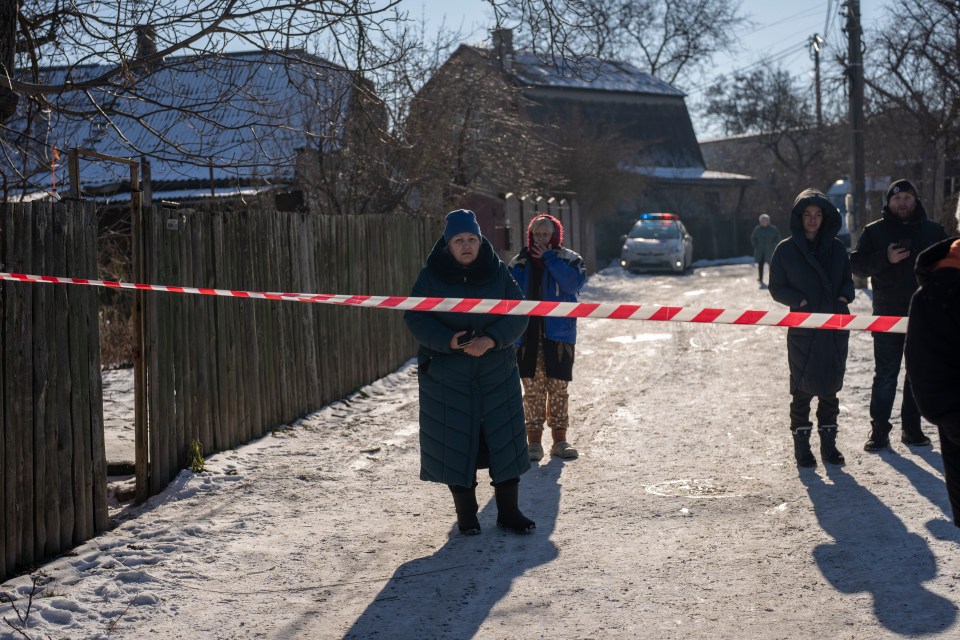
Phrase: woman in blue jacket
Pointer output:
(546, 270)
(471, 411)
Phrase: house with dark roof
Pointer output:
(660, 167)
(228, 127)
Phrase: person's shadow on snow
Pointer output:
(874, 552)
(450, 593)
(929, 486)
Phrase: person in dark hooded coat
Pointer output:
(886, 252)
(810, 272)
(933, 353)
(471, 408)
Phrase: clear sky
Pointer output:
(779, 33)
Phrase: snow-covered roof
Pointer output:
(686, 174)
(236, 119)
(588, 73)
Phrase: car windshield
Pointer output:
(655, 230)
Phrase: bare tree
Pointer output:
(565, 32)
(126, 70)
(775, 137)
(769, 106)
(913, 74)
(670, 39)
(109, 70)
(8, 26)
(357, 34)
(594, 160)
(468, 128)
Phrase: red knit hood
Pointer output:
(556, 240)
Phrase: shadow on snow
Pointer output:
(451, 593)
(874, 552)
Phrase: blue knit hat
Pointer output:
(461, 221)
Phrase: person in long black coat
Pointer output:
(933, 353)
(471, 407)
(810, 272)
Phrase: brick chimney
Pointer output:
(503, 47)
(146, 41)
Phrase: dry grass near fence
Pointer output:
(116, 336)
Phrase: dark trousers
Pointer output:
(828, 408)
(887, 355)
(760, 273)
(950, 452)
(455, 488)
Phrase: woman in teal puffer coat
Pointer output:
(471, 410)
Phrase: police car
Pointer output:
(657, 241)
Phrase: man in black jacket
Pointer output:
(886, 253)
(933, 353)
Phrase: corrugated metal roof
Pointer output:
(236, 118)
(691, 174)
(588, 73)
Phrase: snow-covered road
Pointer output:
(685, 516)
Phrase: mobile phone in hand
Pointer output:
(467, 338)
(905, 243)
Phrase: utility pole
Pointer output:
(817, 43)
(856, 214)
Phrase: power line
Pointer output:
(790, 53)
(831, 12)
(802, 14)
(776, 57)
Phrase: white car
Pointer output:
(657, 241)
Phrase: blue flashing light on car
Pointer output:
(659, 216)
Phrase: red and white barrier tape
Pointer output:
(879, 324)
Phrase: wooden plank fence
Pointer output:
(222, 371)
(52, 460)
(219, 371)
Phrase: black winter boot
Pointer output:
(914, 438)
(465, 501)
(879, 436)
(828, 445)
(801, 448)
(508, 510)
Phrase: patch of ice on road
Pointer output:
(689, 488)
(695, 292)
(642, 337)
(402, 436)
(361, 464)
(780, 508)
